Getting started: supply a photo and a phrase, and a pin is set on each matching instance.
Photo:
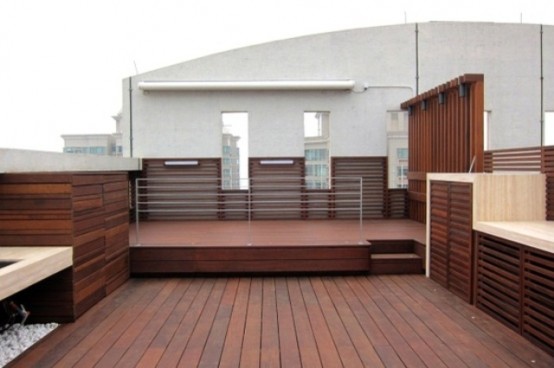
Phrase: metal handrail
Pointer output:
(348, 197)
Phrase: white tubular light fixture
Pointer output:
(303, 85)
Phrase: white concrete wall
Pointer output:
(25, 161)
(188, 124)
(508, 56)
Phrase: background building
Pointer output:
(95, 144)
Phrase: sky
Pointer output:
(62, 61)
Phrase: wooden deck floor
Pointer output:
(347, 321)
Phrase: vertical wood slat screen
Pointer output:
(445, 134)
(532, 159)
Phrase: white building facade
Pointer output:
(357, 76)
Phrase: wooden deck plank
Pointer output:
(131, 346)
(230, 356)
(214, 345)
(111, 327)
(155, 350)
(373, 321)
(70, 335)
(434, 319)
(145, 324)
(269, 353)
(345, 348)
(195, 347)
(388, 328)
(309, 355)
(174, 349)
(376, 291)
(250, 354)
(360, 340)
(288, 342)
(396, 300)
(494, 343)
(327, 350)
(387, 354)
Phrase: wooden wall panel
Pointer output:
(116, 225)
(445, 134)
(532, 159)
(277, 190)
(373, 171)
(200, 195)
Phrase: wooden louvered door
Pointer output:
(451, 244)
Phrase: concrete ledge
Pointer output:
(33, 264)
(24, 161)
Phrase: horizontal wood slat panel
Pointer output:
(373, 172)
(498, 289)
(276, 191)
(538, 311)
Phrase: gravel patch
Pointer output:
(18, 338)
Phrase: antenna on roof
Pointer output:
(136, 69)
(405, 18)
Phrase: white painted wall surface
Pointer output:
(383, 59)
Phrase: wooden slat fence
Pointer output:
(276, 191)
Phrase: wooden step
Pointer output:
(396, 263)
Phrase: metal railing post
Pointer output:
(137, 212)
(361, 241)
(249, 215)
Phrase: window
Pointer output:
(549, 128)
(316, 149)
(402, 153)
(486, 129)
(234, 168)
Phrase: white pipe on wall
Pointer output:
(245, 85)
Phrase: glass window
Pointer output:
(316, 149)
(549, 128)
(234, 166)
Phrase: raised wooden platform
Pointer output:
(185, 247)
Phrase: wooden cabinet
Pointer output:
(86, 211)
(451, 244)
